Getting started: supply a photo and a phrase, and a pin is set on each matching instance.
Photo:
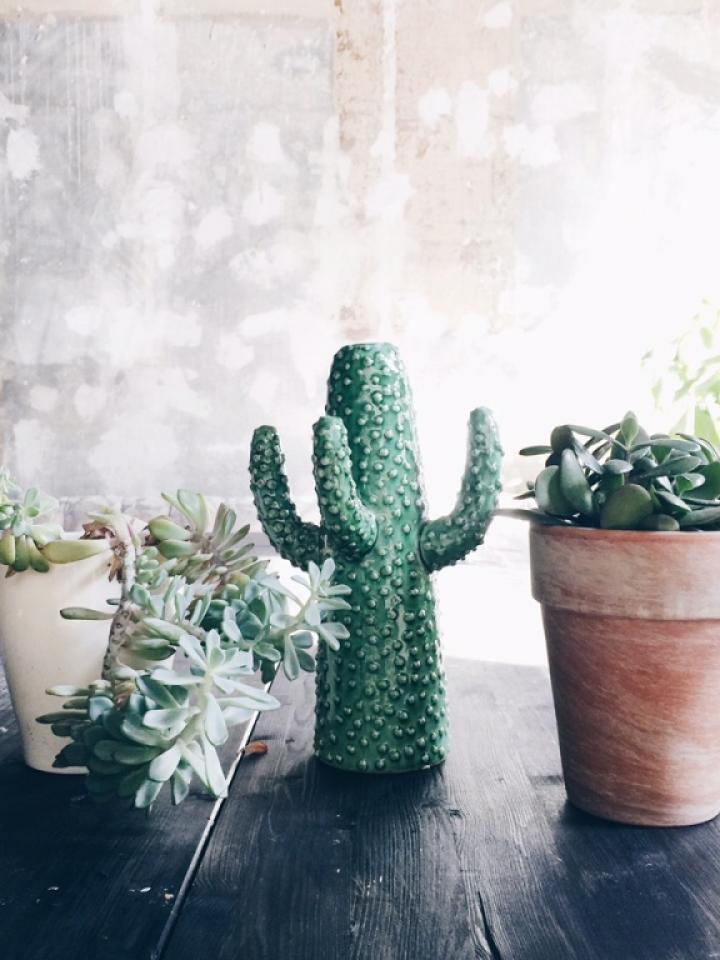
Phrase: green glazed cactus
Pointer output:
(381, 696)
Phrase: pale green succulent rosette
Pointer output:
(194, 592)
(28, 541)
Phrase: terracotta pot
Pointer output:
(632, 624)
(40, 649)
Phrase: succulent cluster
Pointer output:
(622, 478)
(188, 633)
(28, 541)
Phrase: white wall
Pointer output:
(200, 201)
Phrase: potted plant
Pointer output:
(624, 561)
(189, 587)
(43, 572)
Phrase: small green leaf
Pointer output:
(672, 467)
(147, 794)
(701, 517)
(617, 466)
(629, 427)
(164, 765)
(573, 484)
(133, 755)
(180, 786)
(267, 651)
(215, 775)
(291, 665)
(660, 521)
(710, 489)
(215, 727)
(548, 494)
(84, 613)
(626, 508)
(561, 438)
(164, 719)
(538, 450)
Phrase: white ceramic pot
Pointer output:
(40, 649)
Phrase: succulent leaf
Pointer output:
(626, 508)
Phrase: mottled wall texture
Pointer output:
(200, 200)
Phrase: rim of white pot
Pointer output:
(636, 574)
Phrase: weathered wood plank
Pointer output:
(480, 859)
(84, 880)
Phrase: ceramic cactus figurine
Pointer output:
(381, 696)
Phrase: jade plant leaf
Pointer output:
(624, 478)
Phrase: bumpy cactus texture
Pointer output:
(380, 698)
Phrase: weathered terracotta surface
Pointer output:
(632, 623)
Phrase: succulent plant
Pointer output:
(622, 478)
(198, 548)
(28, 541)
(222, 617)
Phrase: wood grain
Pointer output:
(84, 880)
(482, 858)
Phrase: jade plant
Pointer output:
(198, 618)
(28, 540)
(381, 697)
(622, 478)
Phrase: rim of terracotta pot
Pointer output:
(597, 533)
(637, 574)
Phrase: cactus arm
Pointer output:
(295, 540)
(350, 526)
(448, 539)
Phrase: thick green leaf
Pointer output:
(133, 755)
(194, 507)
(548, 493)
(617, 466)
(166, 718)
(131, 782)
(671, 500)
(660, 521)
(560, 438)
(629, 427)
(587, 459)
(105, 749)
(97, 706)
(573, 484)
(626, 508)
(215, 775)
(291, 665)
(215, 727)
(710, 490)
(156, 692)
(59, 717)
(701, 517)
(84, 613)
(164, 765)
(147, 794)
(73, 755)
(134, 730)
(306, 661)
(180, 787)
(267, 651)
(535, 451)
(664, 444)
(672, 467)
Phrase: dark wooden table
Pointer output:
(482, 858)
